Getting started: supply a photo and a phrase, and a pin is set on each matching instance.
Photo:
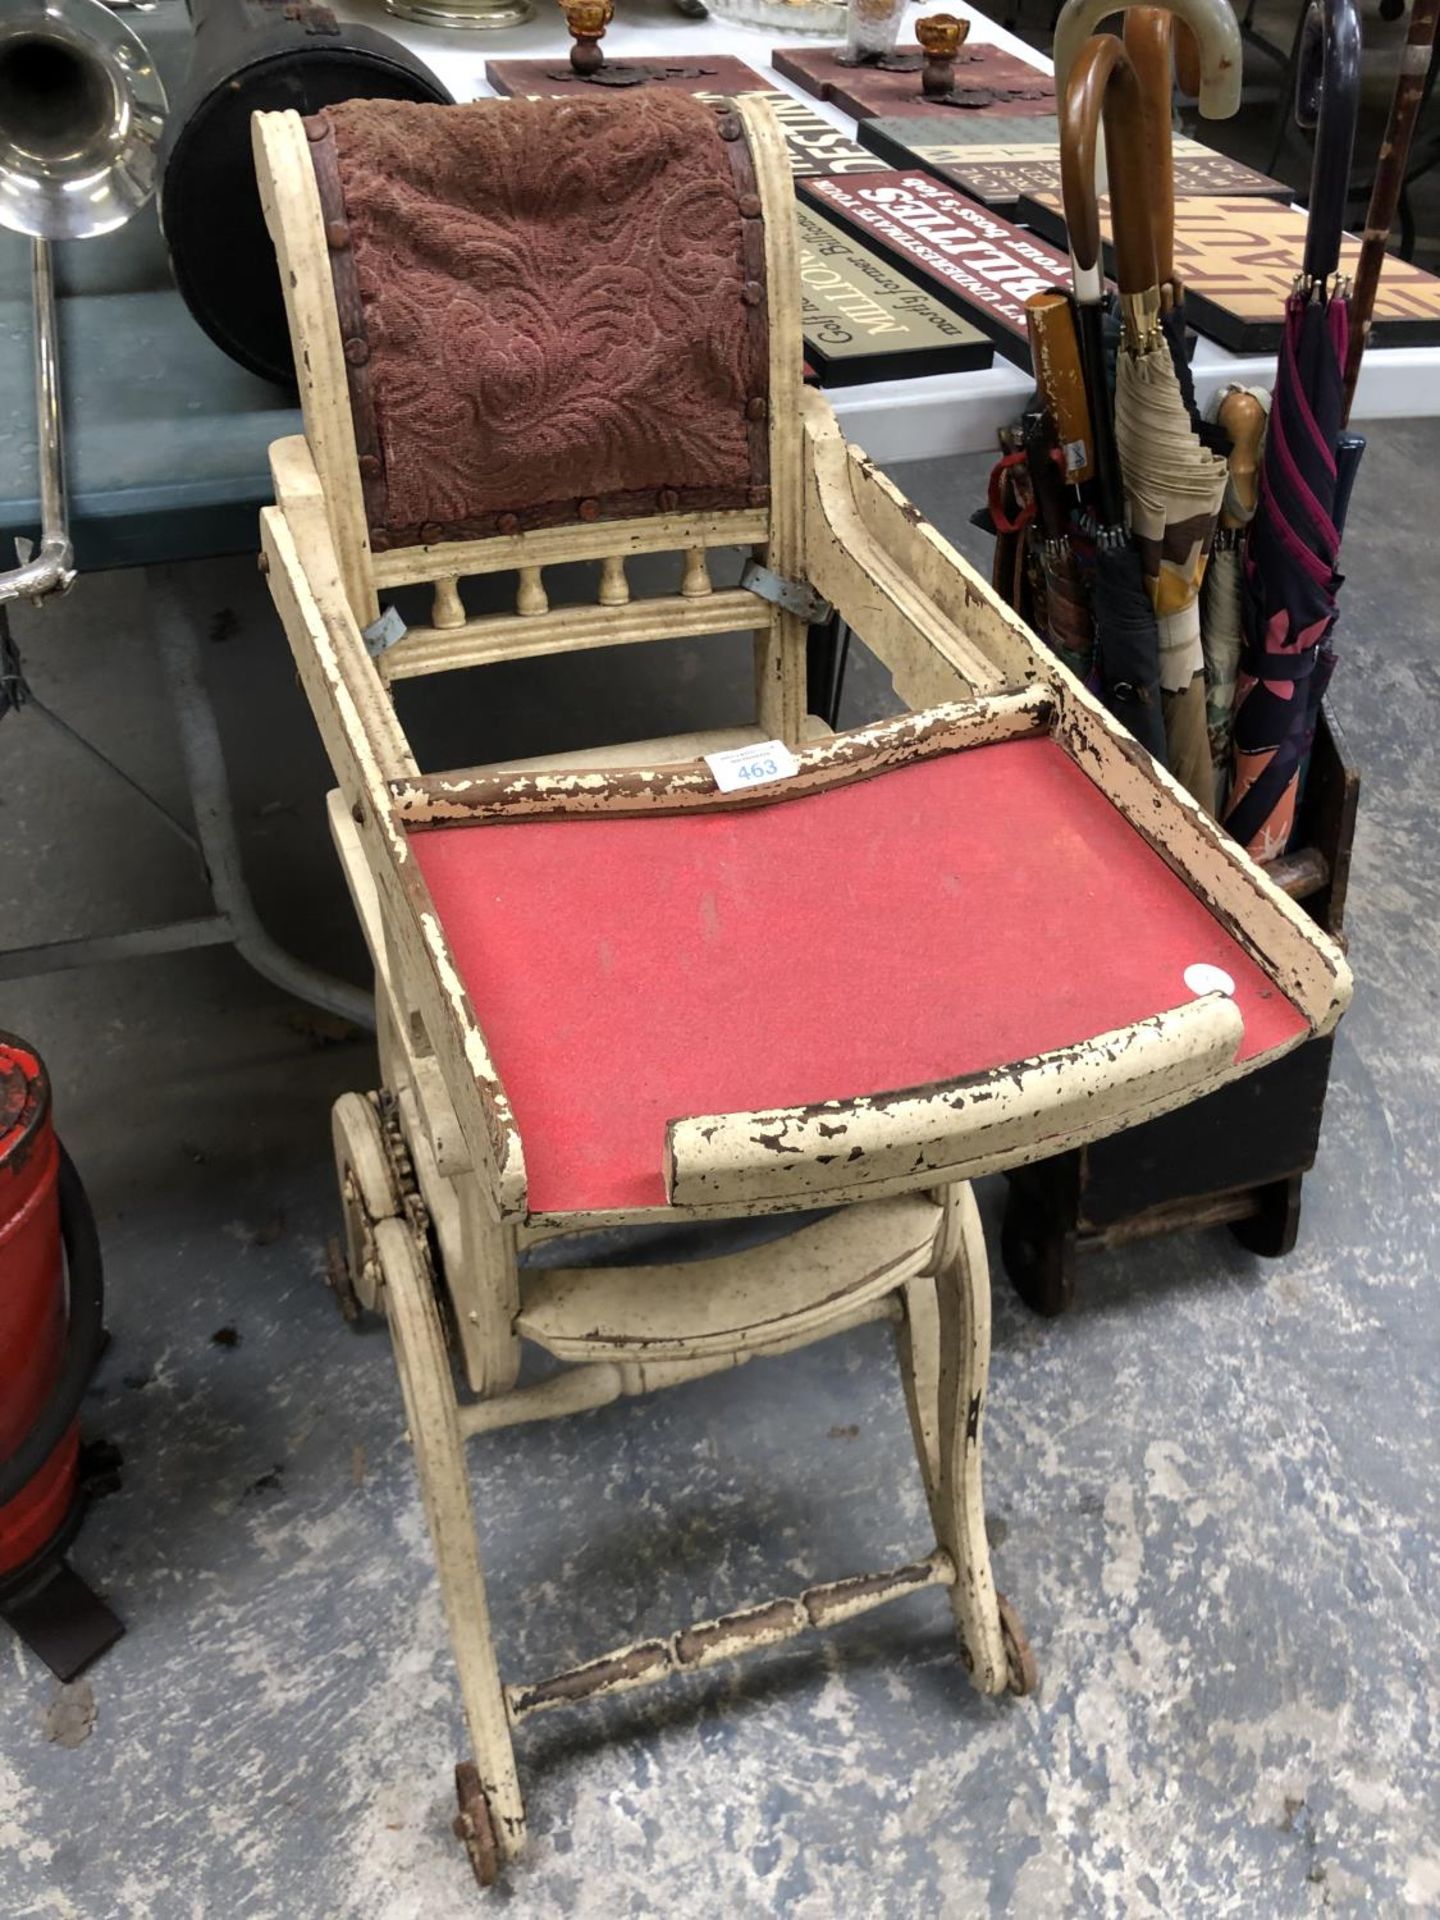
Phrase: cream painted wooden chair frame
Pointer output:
(438, 1152)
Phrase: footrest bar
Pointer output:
(767, 1624)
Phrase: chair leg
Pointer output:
(492, 1814)
(944, 1342)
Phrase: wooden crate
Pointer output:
(1237, 1157)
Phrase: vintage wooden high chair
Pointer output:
(533, 332)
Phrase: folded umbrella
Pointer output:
(1154, 37)
(1241, 411)
(1173, 482)
(1059, 450)
(1068, 629)
(1127, 645)
(1291, 570)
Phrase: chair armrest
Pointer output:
(367, 749)
(299, 553)
(959, 1129)
(916, 602)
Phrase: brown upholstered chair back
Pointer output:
(551, 311)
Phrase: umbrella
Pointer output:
(1151, 35)
(1059, 451)
(1291, 576)
(1127, 646)
(1068, 628)
(1173, 482)
(1241, 411)
(1215, 54)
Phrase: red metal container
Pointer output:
(32, 1302)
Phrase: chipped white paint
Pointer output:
(291, 203)
(555, 546)
(957, 1129)
(685, 786)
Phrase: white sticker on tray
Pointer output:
(1203, 978)
(739, 767)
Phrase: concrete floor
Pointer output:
(1212, 1489)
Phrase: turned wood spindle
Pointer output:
(531, 596)
(587, 21)
(696, 581)
(941, 36)
(614, 587)
(447, 609)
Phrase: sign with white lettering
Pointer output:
(1238, 260)
(977, 263)
(863, 320)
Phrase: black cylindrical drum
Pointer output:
(257, 56)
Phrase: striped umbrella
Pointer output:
(1292, 573)
(1291, 577)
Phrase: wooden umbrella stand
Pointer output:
(1237, 1158)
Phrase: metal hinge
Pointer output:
(795, 596)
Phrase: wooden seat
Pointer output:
(606, 992)
(782, 1291)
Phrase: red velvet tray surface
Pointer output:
(943, 918)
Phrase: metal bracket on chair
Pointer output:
(795, 596)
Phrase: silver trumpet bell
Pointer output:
(81, 110)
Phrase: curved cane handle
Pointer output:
(1187, 57)
(1327, 98)
(1149, 38)
(1213, 23)
(1243, 418)
(1104, 88)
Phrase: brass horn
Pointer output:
(81, 109)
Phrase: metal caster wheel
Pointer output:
(473, 1825)
(1024, 1676)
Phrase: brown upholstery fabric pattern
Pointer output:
(552, 310)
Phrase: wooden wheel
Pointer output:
(473, 1825)
(1022, 1674)
(369, 1193)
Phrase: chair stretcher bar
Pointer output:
(768, 1624)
